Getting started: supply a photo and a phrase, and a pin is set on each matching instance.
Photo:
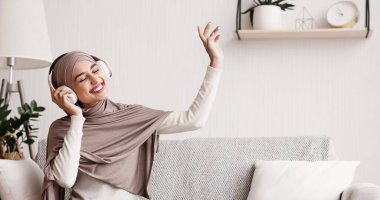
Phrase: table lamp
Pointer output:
(24, 43)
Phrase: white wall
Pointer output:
(269, 88)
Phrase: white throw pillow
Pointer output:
(20, 179)
(301, 180)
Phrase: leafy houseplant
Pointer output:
(277, 3)
(13, 129)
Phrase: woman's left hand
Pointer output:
(210, 42)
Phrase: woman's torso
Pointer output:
(87, 187)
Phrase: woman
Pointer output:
(105, 150)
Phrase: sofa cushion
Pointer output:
(222, 168)
(20, 179)
(299, 180)
(218, 168)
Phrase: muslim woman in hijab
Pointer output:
(105, 150)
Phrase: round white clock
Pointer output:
(343, 14)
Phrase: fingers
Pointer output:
(207, 28)
(201, 35)
(214, 33)
(60, 95)
(214, 36)
(217, 38)
(63, 98)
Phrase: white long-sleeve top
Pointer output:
(66, 163)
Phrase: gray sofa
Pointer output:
(222, 168)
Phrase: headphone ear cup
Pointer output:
(74, 97)
(104, 67)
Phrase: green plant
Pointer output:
(18, 126)
(280, 3)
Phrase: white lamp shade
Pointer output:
(24, 34)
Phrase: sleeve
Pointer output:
(361, 191)
(66, 163)
(196, 116)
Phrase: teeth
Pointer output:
(98, 88)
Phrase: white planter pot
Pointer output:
(267, 17)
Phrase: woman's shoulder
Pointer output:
(126, 105)
(63, 121)
(58, 128)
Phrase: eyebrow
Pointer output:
(80, 74)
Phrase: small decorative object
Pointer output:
(12, 129)
(10, 140)
(344, 14)
(305, 20)
(267, 14)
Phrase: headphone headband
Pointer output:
(55, 61)
(59, 57)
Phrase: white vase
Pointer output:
(267, 17)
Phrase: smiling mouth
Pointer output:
(98, 88)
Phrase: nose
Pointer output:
(94, 79)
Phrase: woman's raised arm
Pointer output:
(196, 116)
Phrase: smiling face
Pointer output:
(89, 83)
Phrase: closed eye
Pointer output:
(94, 72)
(81, 80)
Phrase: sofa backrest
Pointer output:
(219, 168)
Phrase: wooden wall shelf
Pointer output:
(365, 32)
(311, 33)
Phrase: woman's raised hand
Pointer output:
(210, 42)
(61, 96)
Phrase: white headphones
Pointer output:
(74, 98)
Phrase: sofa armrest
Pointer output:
(362, 191)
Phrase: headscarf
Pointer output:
(118, 145)
(63, 68)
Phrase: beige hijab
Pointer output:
(118, 144)
(63, 68)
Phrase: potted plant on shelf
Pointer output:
(267, 14)
(13, 129)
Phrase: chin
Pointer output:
(104, 97)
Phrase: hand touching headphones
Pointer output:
(74, 98)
